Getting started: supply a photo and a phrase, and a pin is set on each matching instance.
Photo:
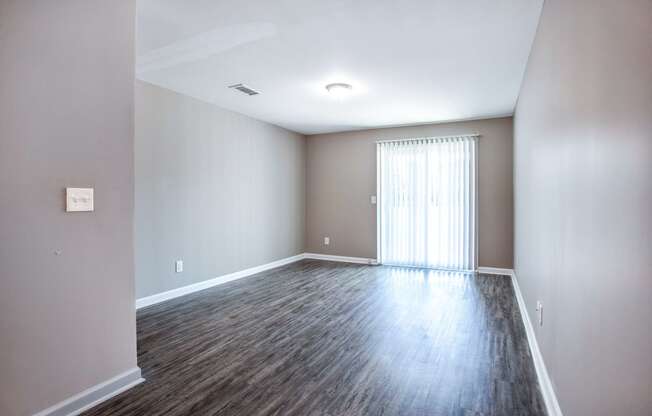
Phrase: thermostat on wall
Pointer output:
(79, 199)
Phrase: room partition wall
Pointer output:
(427, 202)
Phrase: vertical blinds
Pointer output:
(427, 202)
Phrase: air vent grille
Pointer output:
(244, 89)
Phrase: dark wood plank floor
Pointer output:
(322, 338)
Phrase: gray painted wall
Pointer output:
(219, 190)
(341, 175)
(583, 202)
(67, 322)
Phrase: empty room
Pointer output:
(325, 208)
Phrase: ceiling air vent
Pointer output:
(244, 89)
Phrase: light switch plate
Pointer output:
(373, 199)
(79, 199)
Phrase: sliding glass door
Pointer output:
(427, 202)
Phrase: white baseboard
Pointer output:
(196, 287)
(342, 259)
(175, 293)
(495, 270)
(95, 395)
(547, 391)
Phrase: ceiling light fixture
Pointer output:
(339, 89)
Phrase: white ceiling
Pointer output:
(409, 61)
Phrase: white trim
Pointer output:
(342, 259)
(95, 395)
(184, 290)
(547, 391)
(495, 270)
(196, 287)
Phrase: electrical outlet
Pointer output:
(178, 266)
(327, 241)
(373, 200)
(540, 312)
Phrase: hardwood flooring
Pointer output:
(321, 338)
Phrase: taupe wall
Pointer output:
(341, 176)
(583, 202)
(219, 190)
(67, 321)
